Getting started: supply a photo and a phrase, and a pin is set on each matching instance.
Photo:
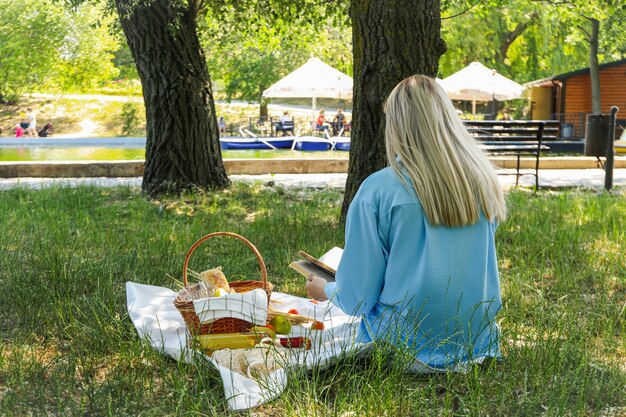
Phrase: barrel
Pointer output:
(596, 134)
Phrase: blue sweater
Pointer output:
(433, 290)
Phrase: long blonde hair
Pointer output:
(426, 141)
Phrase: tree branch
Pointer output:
(586, 32)
(522, 26)
(464, 11)
(555, 2)
(515, 33)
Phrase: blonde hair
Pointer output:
(426, 141)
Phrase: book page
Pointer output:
(332, 258)
(328, 261)
(305, 268)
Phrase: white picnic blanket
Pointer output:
(153, 313)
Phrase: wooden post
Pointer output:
(610, 151)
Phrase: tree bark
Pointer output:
(392, 39)
(182, 146)
(594, 68)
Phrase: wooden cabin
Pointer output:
(567, 97)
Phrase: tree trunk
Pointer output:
(182, 147)
(263, 111)
(392, 39)
(594, 68)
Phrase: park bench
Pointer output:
(518, 138)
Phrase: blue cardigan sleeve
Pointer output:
(360, 275)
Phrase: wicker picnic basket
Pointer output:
(223, 325)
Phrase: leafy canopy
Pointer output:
(45, 46)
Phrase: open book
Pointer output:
(325, 266)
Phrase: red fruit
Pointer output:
(317, 325)
(293, 311)
(269, 326)
(295, 342)
(314, 301)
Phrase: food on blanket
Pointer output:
(293, 311)
(227, 340)
(296, 342)
(293, 318)
(314, 301)
(317, 325)
(215, 280)
(257, 363)
(281, 324)
(264, 331)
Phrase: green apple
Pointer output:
(281, 325)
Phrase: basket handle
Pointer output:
(235, 235)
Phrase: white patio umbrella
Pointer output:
(314, 79)
(476, 82)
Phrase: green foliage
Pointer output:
(613, 28)
(250, 44)
(86, 53)
(551, 41)
(46, 47)
(123, 61)
(248, 55)
(130, 118)
(30, 32)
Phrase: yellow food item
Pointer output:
(227, 341)
(263, 331)
(220, 292)
(215, 279)
(281, 325)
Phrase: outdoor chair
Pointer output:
(317, 129)
(285, 127)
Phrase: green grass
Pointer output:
(68, 347)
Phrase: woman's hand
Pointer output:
(315, 287)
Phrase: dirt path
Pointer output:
(90, 97)
(88, 129)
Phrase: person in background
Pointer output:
(19, 130)
(320, 122)
(221, 124)
(285, 117)
(419, 264)
(32, 123)
(285, 124)
(339, 122)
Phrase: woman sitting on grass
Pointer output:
(419, 264)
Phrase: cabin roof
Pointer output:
(548, 81)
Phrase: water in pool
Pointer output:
(28, 153)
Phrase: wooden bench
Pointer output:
(515, 137)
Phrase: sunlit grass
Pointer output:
(68, 348)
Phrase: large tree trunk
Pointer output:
(392, 39)
(594, 68)
(182, 148)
